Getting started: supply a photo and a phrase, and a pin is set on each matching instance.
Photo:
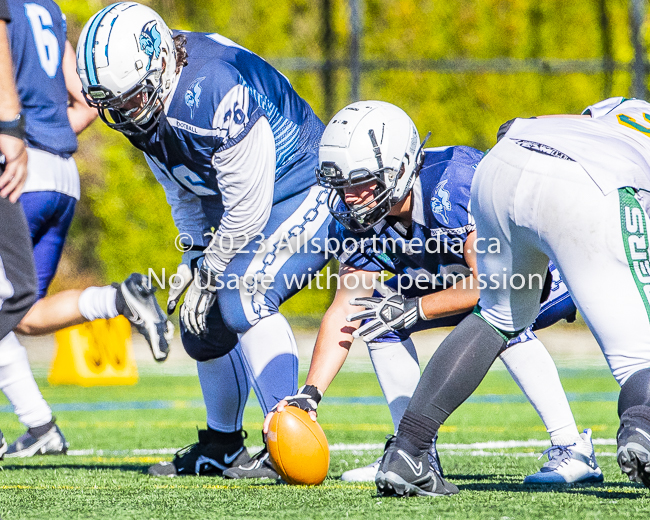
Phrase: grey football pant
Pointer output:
(17, 274)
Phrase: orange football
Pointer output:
(298, 448)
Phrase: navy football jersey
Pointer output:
(441, 216)
(221, 93)
(37, 36)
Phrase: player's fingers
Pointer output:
(313, 415)
(371, 336)
(366, 329)
(267, 422)
(363, 315)
(367, 301)
(13, 186)
(281, 406)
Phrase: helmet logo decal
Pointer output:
(440, 201)
(150, 41)
(193, 94)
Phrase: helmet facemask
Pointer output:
(136, 120)
(362, 217)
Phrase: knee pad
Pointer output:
(216, 342)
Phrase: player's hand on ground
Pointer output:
(387, 314)
(15, 172)
(199, 300)
(306, 399)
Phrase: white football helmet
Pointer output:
(368, 140)
(125, 54)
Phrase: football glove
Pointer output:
(306, 399)
(393, 312)
(199, 300)
(183, 278)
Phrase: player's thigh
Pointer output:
(278, 263)
(605, 266)
(49, 215)
(511, 264)
(17, 277)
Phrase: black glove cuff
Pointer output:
(208, 279)
(14, 128)
(312, 392)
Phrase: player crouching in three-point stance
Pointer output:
(235, 148)
(573, 190)
(406, 211)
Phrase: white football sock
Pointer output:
(398, 372)
(225, 388)
(271, 360)
(18, 385)
(98, 303)
(533, 369)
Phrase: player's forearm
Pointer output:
(453, 300)
(80, 114)
(331, 350)
(9, 102)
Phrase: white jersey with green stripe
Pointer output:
(619, 129)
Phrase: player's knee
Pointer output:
(216, 343)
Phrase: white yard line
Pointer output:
(477, 449)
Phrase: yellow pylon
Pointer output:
(96, 353)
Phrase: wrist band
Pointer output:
(14, 128)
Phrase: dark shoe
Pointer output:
(43, 440)
(633, 439)
(136, 302)
(400, 474)
(206, 457)
(258, 467)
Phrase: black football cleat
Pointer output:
(402, 475)
(633, 439)
(258, 467)
(206, 458)
(136, 301)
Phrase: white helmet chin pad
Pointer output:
(126, 50)
(369, 140)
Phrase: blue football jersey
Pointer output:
(221, 93)
(441, 223)
(37, 36)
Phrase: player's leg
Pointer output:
(17, 275)
(269, 273)
(462, 360)
(49, 215)
(225, 389)
(607, 274)
(571, 456)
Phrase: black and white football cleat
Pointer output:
(257, 467)
(633, 439)
(401, 474)
(135, 300)
(43, 440)
(369, 472)
(206, 458)
(3, 445)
